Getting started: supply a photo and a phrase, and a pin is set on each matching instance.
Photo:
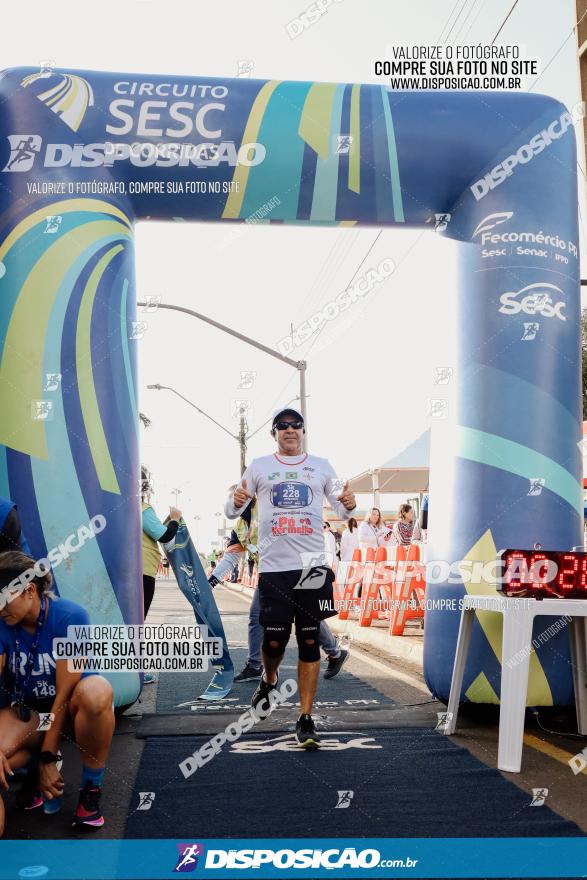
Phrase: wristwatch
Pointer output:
(50, 758)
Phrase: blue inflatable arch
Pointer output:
(81, 155)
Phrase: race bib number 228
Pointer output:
(291, 494)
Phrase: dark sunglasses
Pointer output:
(283, 426)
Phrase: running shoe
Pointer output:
(88, 816)
(150, 678)
(306, 735)
(262, 694)
(248, 672)
(335, 664)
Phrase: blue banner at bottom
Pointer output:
(446, 857)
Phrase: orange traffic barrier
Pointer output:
(409, 589)
(371, 585)
(255, 578)
(348, 578)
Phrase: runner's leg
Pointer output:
(328, 641)
(93, 720)
(17, 740)
(255, 633)
(307, 636)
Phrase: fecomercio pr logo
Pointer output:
(534, 299)
(23, 151)
(491, 221)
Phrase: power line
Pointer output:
(475, 20)
(447, 21)
(454, 22)
(564, 42)
(353, 276)
(465, 20)
(504, 21)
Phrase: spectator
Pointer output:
(372, 531)
(329, 544)
(153, 531)
(404, 527)
(11, 536)
(349, 541)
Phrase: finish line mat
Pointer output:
(408, 782)
(178, 692)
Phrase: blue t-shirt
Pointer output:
(41, 687)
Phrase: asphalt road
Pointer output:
(545, 763)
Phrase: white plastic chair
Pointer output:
(518, 620)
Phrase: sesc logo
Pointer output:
(491, 221)
(534, 299)
(23, 151)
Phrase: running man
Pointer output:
(295, 580)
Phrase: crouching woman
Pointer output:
(34, 683)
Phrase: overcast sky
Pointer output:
(371, 372)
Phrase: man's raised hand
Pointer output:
(241, 495)
(347, 498)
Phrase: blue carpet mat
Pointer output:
(407, 782)
(178, 692)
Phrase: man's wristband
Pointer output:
(50, 758)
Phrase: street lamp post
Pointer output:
(177, 493)
(300, 366)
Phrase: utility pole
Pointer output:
(300, 366)
(242, 439)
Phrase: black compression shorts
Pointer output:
(303, 595)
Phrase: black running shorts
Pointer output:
(302, 595)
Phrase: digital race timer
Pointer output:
(544, 574)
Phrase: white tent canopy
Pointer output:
(408, 471)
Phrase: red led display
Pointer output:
(544, 574)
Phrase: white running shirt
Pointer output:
(290, 491)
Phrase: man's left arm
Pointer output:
(338, 494)
(50, 779)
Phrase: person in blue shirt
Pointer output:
(11, 534)
(33, 682)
